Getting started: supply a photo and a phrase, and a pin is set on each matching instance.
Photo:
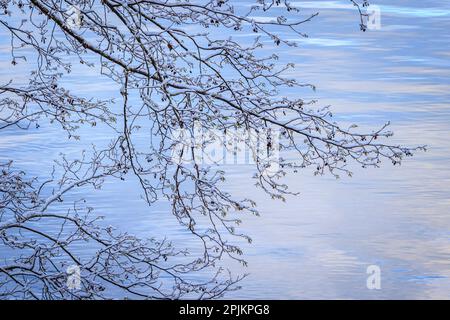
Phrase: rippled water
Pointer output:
(319, 244)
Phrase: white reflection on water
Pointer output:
(319, 244)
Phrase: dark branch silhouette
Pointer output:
(172, 77)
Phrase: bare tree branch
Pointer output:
(172, 77)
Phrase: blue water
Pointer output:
(319, 244)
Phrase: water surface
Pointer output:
(319, 244)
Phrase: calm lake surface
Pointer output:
(319, 244)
